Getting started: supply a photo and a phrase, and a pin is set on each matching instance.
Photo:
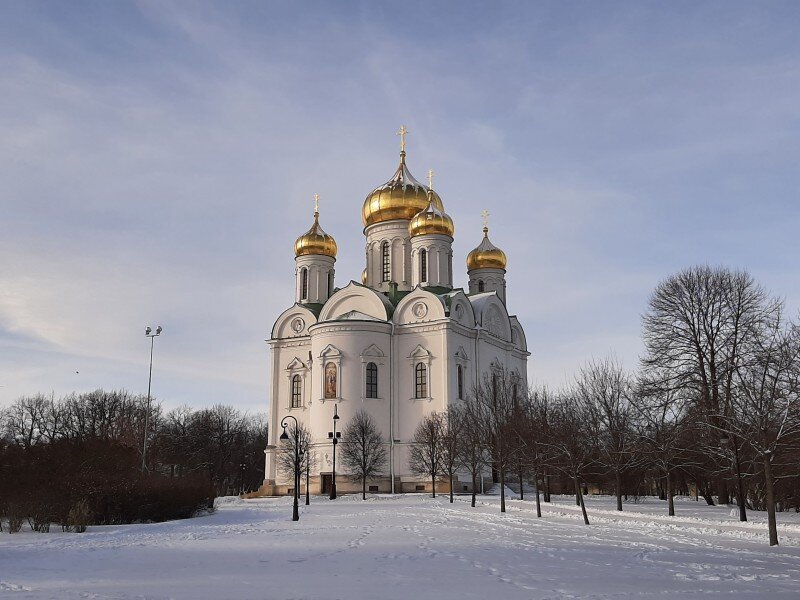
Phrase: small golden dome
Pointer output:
(486, 255)
(401, 197)
(431, 220)
(364, 277)
(315, 241)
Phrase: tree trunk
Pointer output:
(451, 488)
(618, 483)
(722, 494)
(670, 501)
(580, 502)
(536, 488)
(770, 492)
(740, 495)
(577, 493)
(474, 488)
(433, 484)
(364, 488)
(546, 487)
(521, 492)
(502, 490)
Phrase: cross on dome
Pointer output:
(402, 133)
(430, 179)
(485, 215)
(316, 204)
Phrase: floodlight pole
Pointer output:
(148, 332)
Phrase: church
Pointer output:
(401, 344)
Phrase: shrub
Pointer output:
(79, 516)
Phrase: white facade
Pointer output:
(395, 323)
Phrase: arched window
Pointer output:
(297, 392)
(385, 261)
(372, 380)
(330, 381)
(481, 286)
(423, 266)
(421, 381)
(304, 278)
(460, 381)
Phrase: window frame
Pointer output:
(420, 381)
(371, 380)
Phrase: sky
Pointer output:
(158, 160)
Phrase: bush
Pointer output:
(79, 516)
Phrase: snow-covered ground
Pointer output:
(413, 547)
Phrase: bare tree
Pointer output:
(570, 447)
(473, 449)
(534, 428)
(696, 327)
(604, 390)
(426, 452)
(664, 423)
(453, 426)
(496, 405)
(363, 449)
(766, 408)
(293, 458)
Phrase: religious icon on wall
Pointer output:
(330, 380)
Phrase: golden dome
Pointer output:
(364, 277)
(315, 241)
(486, 255)
(431, 220)
(401, 197)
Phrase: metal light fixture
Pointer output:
(148, 332)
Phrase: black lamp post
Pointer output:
(334, 436)
(297, 456)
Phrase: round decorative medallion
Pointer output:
(420, 310)
(297, 325)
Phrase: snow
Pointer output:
(413, 546)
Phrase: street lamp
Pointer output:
(148, 332)
(334, 436)
(298, 454)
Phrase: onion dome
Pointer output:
(401, 197)
(315, 240)
(364, 277)
(431, 220)
(486, 255)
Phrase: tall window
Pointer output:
(421, 381)
(385, 261)
(330, 380)
(481, 286)
(494, 387)
(297, 392)
(304, 277)
(460, 381)
(330, 283)
(372, 380)
(423, 265)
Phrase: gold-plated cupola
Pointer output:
(401, 197)
(315, 240)
(486, 255)
(431, 219)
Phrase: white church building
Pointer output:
(402, 343)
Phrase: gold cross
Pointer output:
(430, 178)
(402, 133)
(485, 215)
(316, 203)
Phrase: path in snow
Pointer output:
(411, 546)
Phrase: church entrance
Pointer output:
(327, 482)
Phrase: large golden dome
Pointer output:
(486, 255)
(431, 220)
(401, 197)
(315, 241)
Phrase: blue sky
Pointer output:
(157, 161)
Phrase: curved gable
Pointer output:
(492, 315)
(355, 298)
(419, 306)
(461, 309)
(293, 322)
(518, 334)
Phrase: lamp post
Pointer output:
(297, 456)
(334, 436)
(148, 332)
